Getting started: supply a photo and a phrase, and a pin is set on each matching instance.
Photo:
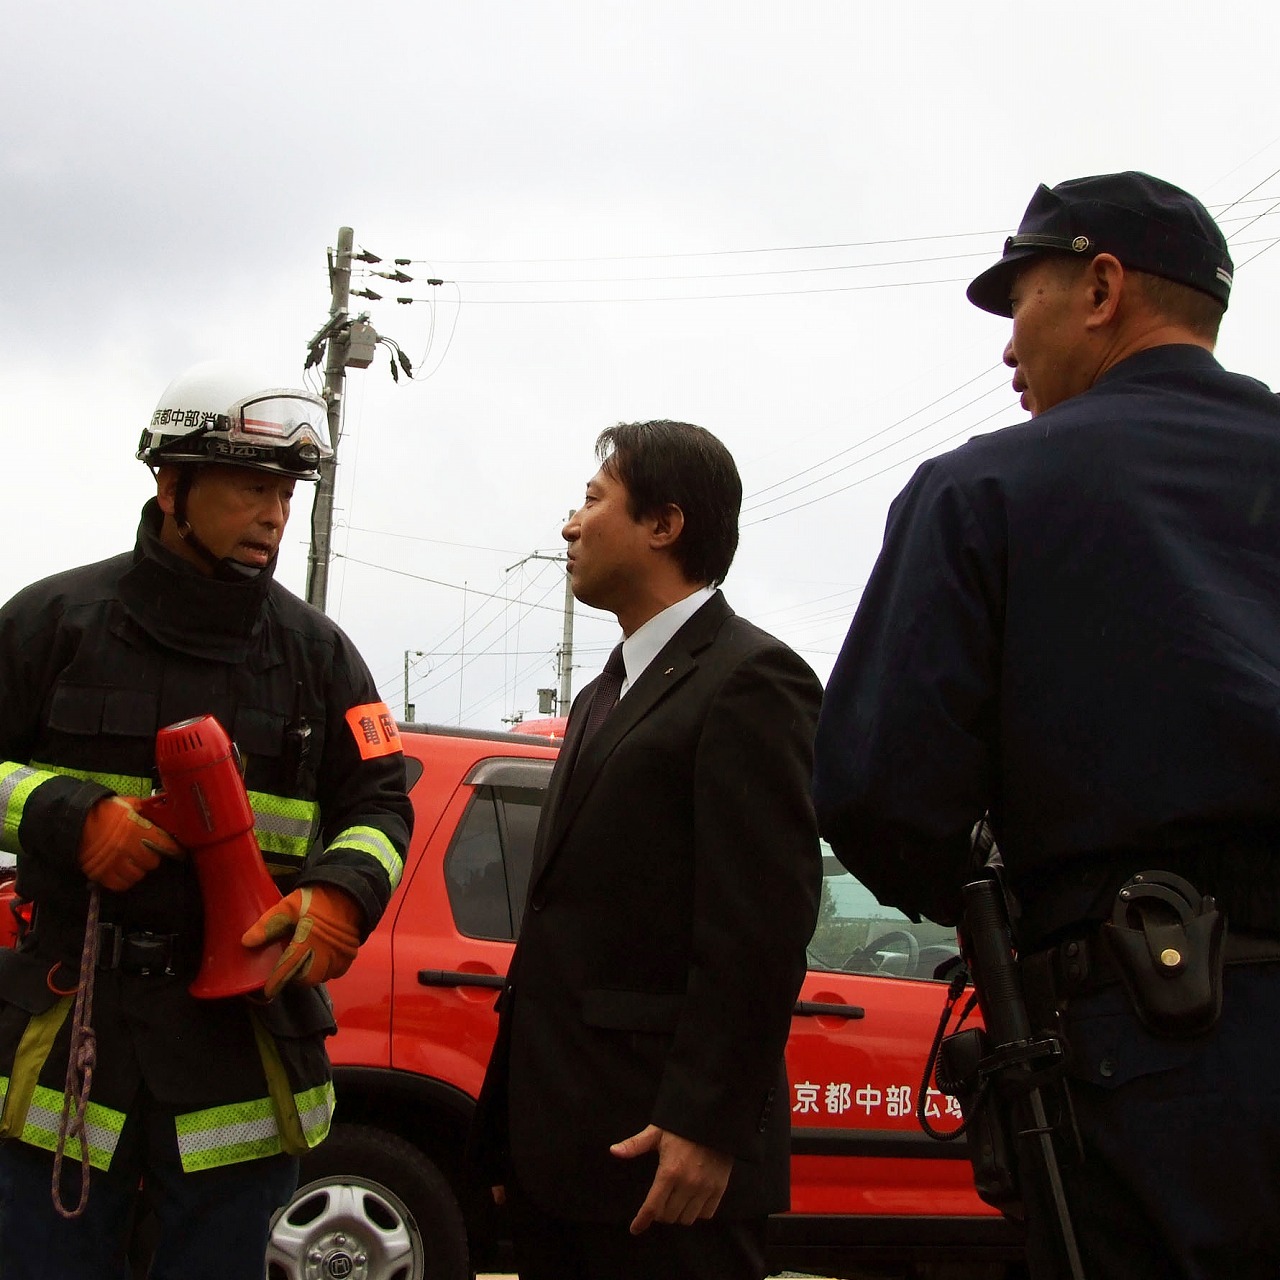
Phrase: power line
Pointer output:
(731, 275)
(703, 297)
(704, 253)
(506, 601)
(805, 604)
(723, 253)
(1251, 190)
(853, 484)
(466, 662)
(890, 444)
(435, 582)
(1259, 254)
(439, 542)
(1275, 205)
(867, 439)
(749, 275)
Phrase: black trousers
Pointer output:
(551, 1248)
(1181, 1175)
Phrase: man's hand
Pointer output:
(118, 846)
(325, 925)
(689, 1183)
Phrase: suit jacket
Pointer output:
(674, 890)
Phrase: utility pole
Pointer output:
(564, 655)
(351, 343)
(566, 644)
(334, 376)
(408, 706)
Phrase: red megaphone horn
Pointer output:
(203, 804)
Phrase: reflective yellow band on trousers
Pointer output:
(102, 1127)
(282, 1121)
(250, 1130)
(32, 1112)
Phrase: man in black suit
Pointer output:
(635, 1117)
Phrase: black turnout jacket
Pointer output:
(92, 663)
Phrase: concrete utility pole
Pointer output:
(334, 374)
(564, 655)
(351, 343)
(566, 644)
(408, 706)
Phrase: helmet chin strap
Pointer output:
(224, 568)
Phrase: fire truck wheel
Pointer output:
(369, 1206)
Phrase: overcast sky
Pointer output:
(756, 217)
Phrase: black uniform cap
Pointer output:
(1150, 225)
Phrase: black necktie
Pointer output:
(605, 697)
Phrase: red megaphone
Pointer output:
(203, 804)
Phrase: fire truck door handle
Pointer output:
(456, 978)
(817, 1009)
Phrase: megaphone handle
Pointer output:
(155, 808)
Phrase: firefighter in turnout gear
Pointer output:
(205, 1103)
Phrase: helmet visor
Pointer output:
(280, 419)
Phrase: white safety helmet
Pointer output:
(219, 412)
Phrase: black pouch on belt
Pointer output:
(1166, 940)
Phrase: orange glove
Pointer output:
(325, 923)
(118, 846)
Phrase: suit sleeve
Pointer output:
(757, 879)
(366, 815)
(904, 757)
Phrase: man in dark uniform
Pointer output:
(208, 1102)
(1074, 627)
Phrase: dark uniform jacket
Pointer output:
(673, 892)
(1074, 623)
(92, 663)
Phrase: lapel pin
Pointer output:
(668, 671)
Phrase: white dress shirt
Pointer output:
(645, 643)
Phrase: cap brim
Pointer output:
(990, 290)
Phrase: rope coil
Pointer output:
(82, 1057)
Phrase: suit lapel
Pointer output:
(560, 776)
(572, 782)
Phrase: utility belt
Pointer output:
(1164, 942)
(141, 952)
(120, 949)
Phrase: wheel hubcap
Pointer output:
(344, 1231)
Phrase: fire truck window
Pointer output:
(520, 808)
(474, 875)
(413, 770)
(855, 934)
